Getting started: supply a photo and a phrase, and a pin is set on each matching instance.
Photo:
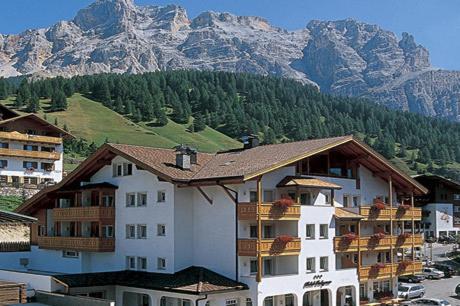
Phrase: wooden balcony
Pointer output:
(89, 244)
(30, 154)
(16, 136)
(371, 214)
(91, 213)
(389, 270)
(269, 211)
(369, 243)
(268, 247)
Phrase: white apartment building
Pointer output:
(31, 150)
(259, 226)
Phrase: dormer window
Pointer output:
(122, 169)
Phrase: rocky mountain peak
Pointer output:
(107, 17)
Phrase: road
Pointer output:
(443, 288)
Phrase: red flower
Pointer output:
(350, 236)
(284, 239)
(378, 236)
(378, 266)
(404, 207)
(284, 203)
(404, 235)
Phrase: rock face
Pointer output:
(342, 57)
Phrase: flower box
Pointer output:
(404, 207)
(383, 295)
(349, 237)
(378, 204)
(404, 235)
(378, 236)
(284, 239)
(378, 266)
(284, 203)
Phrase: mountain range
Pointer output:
(345, 57)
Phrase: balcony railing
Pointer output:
(387, 270)
(268, 247)
(30, 138)
(388, 213)
(91, 213)
(89, 244)
(30, 154)
(369, 243)
(269, 211)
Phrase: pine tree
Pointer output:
(198, 123)
(33, 104)
(58, 101)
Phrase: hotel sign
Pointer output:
(317, 282)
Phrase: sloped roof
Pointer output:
(11, 217)
(343, 213)
(37, 118)
(192, 280)
(307, 182)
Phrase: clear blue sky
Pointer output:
(434, 23)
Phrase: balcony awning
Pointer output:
(344, 214)
(308, 182)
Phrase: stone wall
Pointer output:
(18, 192)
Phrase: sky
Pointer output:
(434, 23)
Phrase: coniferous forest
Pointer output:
(277, 109)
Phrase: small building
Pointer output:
(31, 151)
(440, 207)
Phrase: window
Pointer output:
(47, 149)
(30, 180)
(142, 199)
(268, 267)
(142, 231)
(30, 148)
(356, 201)
(161, 263)
(142, 263)
(29, 165)
(117, 170)
(231, 302)
(386, 286)
(47, 166)
(130, 231)
(107, 231)
(107, 201)
(289, 300)
(268, 231)
(456, 197)
(3, 164)
(305, 198)
(130, 263)
(310, 231)
(253, 196)
(161, 196)
(248, 302)
(327, 196)
(4, 145)
(269, 195)
(268, 301)
(346, 201)
(70, 254)
(127, 169)
(323, 263)
(253, 231)
(311, 265)
(253, 266)
(323, 231)
(362, 291)
(161, 230)
(130, 199)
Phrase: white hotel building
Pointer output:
(260, 226)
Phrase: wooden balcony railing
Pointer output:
(386, 214)
(269, 211)
(369, 243)
(30, 138)
(30, 154)
(387, 270)
(268, 247)
(91, 213)
(77, 244)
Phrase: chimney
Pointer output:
(185, 157)
(250, 141)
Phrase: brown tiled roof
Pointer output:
(343, 213)
(307, 182)
(192, 280)
(42, 121)
(162, 160)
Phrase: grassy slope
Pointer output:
(94, 122)
(9, 203)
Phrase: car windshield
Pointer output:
(403, 289)
(444, 302)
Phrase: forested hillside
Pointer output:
(277, 109)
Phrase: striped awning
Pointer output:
(308, 182)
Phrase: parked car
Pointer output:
(417, 278)
(426, 301)
(432, 273)
(457, 290)
(408, 291)
(430, 240)
(448, 270)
